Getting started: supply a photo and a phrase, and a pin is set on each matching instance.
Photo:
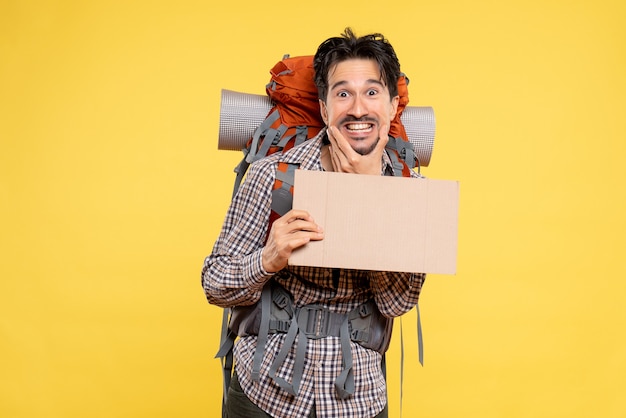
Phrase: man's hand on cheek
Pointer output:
(347, 160)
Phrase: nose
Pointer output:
(358, 109)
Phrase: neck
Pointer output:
(326, 160)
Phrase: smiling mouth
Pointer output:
(359, 127)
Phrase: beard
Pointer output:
(361, 147)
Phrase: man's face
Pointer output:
(358, 103)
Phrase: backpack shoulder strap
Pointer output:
(225, 354)
(282, 193)
(402, 155)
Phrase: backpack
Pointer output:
(294, 118)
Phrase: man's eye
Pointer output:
(372, 92)
(342, 94)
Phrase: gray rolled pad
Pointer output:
(242, 113)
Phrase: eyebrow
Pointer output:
(369, 81)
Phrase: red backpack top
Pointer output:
(295, 117)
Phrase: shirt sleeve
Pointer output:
(233, 273)
(396, 293)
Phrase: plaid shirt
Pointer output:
(233, 275)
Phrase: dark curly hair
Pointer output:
(347, 46)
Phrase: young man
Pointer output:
(299, 370)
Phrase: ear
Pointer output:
(324, 111)
(394, 107)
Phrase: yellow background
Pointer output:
(112, 192)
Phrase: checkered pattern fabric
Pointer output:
(233, 275)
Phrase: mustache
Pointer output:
(352, 119)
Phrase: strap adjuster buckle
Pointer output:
(314, 321)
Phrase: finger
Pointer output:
(342, 153)
(301, 226)
(297, 220)
(294, 215)
(383, 139)
(341, 144)
(300, 238)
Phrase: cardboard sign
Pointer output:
(379, 222)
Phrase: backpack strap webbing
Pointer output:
(401, 155)
(405, 151)
(313, 322)
(420, 350)
(304, 325)
(240, 171)
(302, 134)
(269, 134)
(265, 141)
(282, 193)
(225, 354)
(264, 329)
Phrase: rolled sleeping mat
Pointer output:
(242, 113)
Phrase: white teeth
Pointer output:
(358, 126)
